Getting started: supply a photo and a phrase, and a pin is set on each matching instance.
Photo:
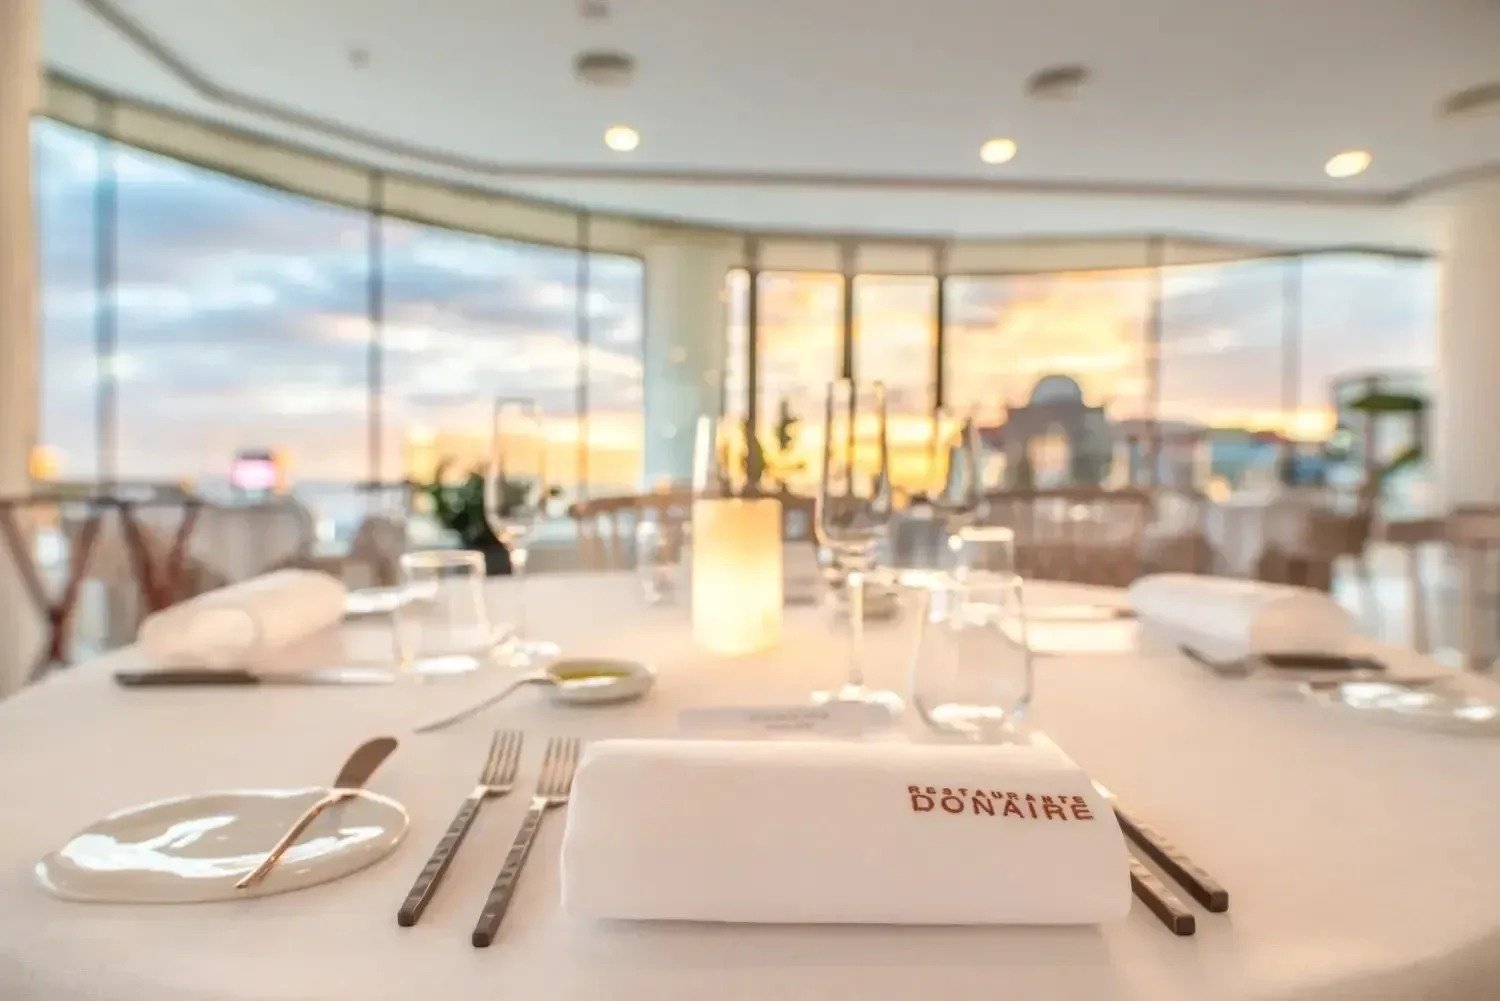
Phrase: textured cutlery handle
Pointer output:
(442, 856)
(184, 676)
(1192, 877)
(505, 884)
(1154, 894)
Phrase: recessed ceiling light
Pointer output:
(621, 138)
(1348, 163)
(997, 150)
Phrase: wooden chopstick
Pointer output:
(1173, 861)
(1187, 873)
(1155, 895)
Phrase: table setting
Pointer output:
(593, 785)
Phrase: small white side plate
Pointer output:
(193, 848)
(1426, 707)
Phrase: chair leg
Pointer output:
(1417, 600)
(1367, 587)
(1471, 587)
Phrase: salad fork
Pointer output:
(552, 788)
(495, 779)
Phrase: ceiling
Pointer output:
(1205, 118)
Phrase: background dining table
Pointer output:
(1361, 859)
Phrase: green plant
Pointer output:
(1377, 404)
(782, 462)
(459, 506)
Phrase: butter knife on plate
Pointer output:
(166, 677)
(351, 778)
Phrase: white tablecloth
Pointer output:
(1362, 861)
(1241, 528)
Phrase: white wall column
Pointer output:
(686, 319)
(1467, 424)
(20, 90)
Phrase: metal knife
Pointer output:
(356, 772)
(1349, 667)
(177, 676)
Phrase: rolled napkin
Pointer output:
(1225, 617)
(242, 625)
(782, 832)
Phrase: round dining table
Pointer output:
(1362, 860)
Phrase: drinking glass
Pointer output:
(515, 503)
(983, 552)
(442, 626)
(952, 497)
(957, 491)
(854, 513)
(971, 673)
(658, 555)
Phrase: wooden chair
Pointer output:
(1084, 535)
(373, 558)
(1411, 536)
(1473, 537)
(1176, 539)
(606, 525)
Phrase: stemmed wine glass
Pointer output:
(854, 513)
(515, 503)
(957, 493)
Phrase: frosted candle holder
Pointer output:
(736, 574)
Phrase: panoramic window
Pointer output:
(615, 375)
(470, 319)
(894, 342)
(242, 331)
(1367, 359)
(801, 318)
(67, 162)
(1224, 422)
(1054, 369)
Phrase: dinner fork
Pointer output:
(495, 779)
(552, 787)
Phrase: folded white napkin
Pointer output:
(244, 624)
(1225, 617)
(783, 832)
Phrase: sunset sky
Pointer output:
(242, 324)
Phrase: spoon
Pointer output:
(574, 682)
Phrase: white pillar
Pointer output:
(1467, 424)
(686, 318)
(19, 94)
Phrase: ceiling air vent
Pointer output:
(1057, 83)
(604, 69)
(1482, 99)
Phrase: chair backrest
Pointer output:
(243, 541)
(1176, 538)
(606, 525)
(1473, 536)
(377, 545)
(1081, 534)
